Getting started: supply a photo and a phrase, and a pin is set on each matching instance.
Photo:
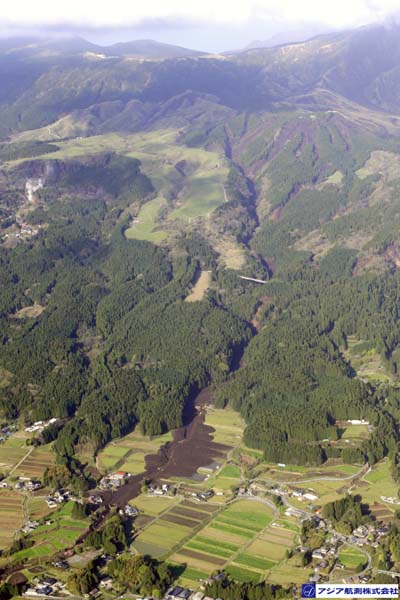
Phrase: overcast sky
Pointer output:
(212, 25)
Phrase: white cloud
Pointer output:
(340, 13)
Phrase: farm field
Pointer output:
(351, 558)
(366, 361)
(35, 463)
(16, 458)
(193, 177)
(203, 194)
(356, 433)
(11, 515)
(12, 451)
(297, 474)
(153, 505)
(243, 538)
(172, 526)
(223, 480)
(145, 225)
(37, 507)
(59, 535)
(377, 483)
(228, 425)
(128, 453)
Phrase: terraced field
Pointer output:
(12, 451)
(172, 527)
(367, 362)
(37, 507)
(11, 515)
(228, 425)
(243, 539)
(128, 453)
(35, 463)
(59, 535)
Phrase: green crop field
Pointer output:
(377, 483)
(59, 535)
(228, 425)
(367, 362)
(162, 535)
(146, 227)
(12, 451)
(254, 561)
(224, 480)
(190, 576)
(153, 505)
(128, 453)
(356, 433)
(351, 558)
(242, 574)
(230, 471)
(203, 195)
(37, 507)
(248, 547)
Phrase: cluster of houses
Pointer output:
(61, 564)
(24, 484)
(368, 535)
(299, 494)
(45, 586)
(129, 511)
(59, 497)
(390, 500)
(40, 425)
(327, 555)
(158, 490)
(29, 526)
(115, 480)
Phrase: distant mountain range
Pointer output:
(361, 66)
(69, 46)
(290, 36)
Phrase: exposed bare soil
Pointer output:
(192, 447)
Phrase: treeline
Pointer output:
(233, 590)
(347, 513)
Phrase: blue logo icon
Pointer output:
(308, 590)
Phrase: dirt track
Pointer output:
(192, 447)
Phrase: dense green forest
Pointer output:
(296, 364)
(114, 347)
(128, 297)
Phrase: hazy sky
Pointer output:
(204, 24)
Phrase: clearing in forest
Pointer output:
(200, 287)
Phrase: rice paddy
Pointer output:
(128, 453)
(11, 515)
(242, 538)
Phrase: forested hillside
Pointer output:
(125, 173)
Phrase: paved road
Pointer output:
(361, 473)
